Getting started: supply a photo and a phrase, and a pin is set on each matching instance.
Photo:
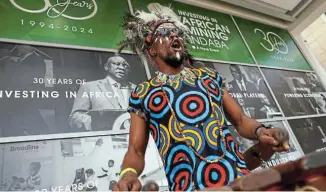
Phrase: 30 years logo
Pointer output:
(61, 8)
(273, 42)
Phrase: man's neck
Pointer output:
(112, 79)
(166, 69)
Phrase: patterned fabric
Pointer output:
(189, 98)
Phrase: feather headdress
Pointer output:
(140, 28)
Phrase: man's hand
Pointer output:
(277, 138)
(129, 182)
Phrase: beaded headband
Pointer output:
(141, 28)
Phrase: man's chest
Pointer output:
(186, 103)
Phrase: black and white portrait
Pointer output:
(310, 133)
(298, 93)
(54, 90)
(247, 86)
(277, 158)
(99, 100)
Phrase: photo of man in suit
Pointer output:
(267, 109)
(240, 83)
(249, 111)
(110, 93)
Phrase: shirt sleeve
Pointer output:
(136, 106)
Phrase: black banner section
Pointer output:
(310, 133)
(247, 86)
(298, 93)
(51, 90)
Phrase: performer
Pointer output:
(185, 110)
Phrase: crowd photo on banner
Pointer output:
(78, 164)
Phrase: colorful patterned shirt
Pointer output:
(188, 97)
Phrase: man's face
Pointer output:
(168, 46)
(310, 79)
(111, 163)
(265, 100)
(88, 174)
(236, 73)
(241, 102)
(118, 67)
(32, 170)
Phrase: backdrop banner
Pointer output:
(277, 158)
(247, 86)
(50, 90)
(213, 35)
(80, 164)
(298, 93)
(272, 46)
(91, 23)
(310, 133)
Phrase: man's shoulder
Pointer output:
(92, 83)
(143, 88)
(206, 70)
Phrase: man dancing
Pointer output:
(185, 110)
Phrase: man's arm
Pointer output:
(244, 125)
(79, 117)
(276, 138)
(138, 139)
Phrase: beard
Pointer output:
(174, 61)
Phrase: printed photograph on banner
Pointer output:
(272, 46)
(212, 35)
(310, 133)
(90, 23)
(27, 166)
(47, 90)
(277, 158)
(298, 93)
(94, 163)
(247, 86)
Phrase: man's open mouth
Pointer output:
(176, 45)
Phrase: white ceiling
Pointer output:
(284, 4)
(286, 10)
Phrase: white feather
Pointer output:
(147, 17)
(167, 12)
(157, 12)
